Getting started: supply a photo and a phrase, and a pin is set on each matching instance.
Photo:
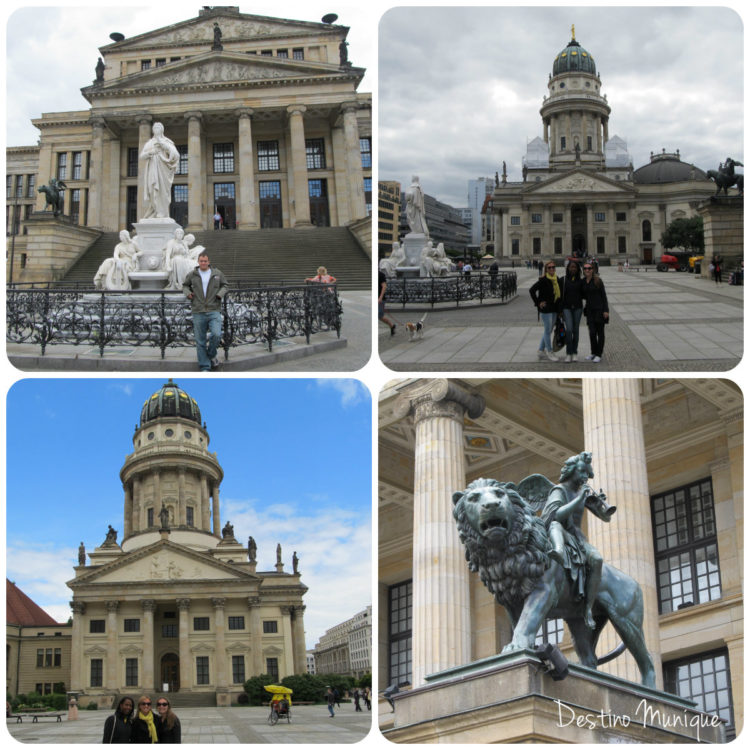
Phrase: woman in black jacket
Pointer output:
(596, 312)
(167, 724)
(546, 296)
(144, 723)
(119, 726)
(572, 308)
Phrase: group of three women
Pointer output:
(566, 295)
(130, 725)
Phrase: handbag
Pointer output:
(558, 334)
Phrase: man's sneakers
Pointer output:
(214, 364)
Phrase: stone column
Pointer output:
(355, 179)
(96, 177)
(298, 167)
(157, 497)
(298, 639)
(441, 624)
(149, 606)
(221, 680)
(144, 134)
(256, 635)
(196, 178)
(247, 205)
(181, 503)
(110, 672)
(216, 513)
(735, 650)
(613, 432)
(137, 505)
(128, 521)
(590, 248)
(286, 628)
(205, 507)
(77, 678)
(186, 681)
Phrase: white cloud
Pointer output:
(351, 392)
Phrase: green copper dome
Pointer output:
(573, 58)
(170, 401)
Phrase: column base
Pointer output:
(511, 698)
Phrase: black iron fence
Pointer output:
(477, 286)
(46, 317)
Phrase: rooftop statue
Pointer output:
(111, 537)
(162, 159)
(228, 531)
(164, 518)
(252, 549)
(542, 567)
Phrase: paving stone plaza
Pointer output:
(658, 322)
(210, 726)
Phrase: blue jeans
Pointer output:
(207, 331)
(548, 319)
(572, 318)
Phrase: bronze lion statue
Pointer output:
(508, 545)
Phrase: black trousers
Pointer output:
(596, 325)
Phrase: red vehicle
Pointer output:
(676, 261)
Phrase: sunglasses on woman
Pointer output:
(161, 703)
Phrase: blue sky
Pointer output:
(297, 462)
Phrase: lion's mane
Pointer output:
(509, 570)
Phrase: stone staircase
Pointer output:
(265, 255)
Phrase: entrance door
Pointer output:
(269, 193)
(579, 246)
(318, 190)
(170, 672)
(179, 208)
(224, 203)
(648, 255)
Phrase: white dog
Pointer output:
(416, 330)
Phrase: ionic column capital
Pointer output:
(244, 112)
(296, 109)
(194, 114)
(440, 398)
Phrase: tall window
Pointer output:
(201, 670)
(558, 242)
(238, 669)
(77, 165)
(316, 153)
(182, 167)
(298, 53)
(268, 156)
(169, 631)
(132, 625)
(646, 230)
(58, 658)
(40, 657)
(97, 670)
(131, 672)
(132, 162)
(149, 517)
(62, 166)
(704, 679)
(365, 151)
(600, 245)
(687, 555)
(622, 244)
(19, 186)
(30, 186)
(75, 205)
(189, 518)
(562, 143)
(552, 631)
(536, 245)
(145, 64)
(223, 157)
(272, 668)
(399, 633)
(368, 195)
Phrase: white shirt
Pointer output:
(205, 276)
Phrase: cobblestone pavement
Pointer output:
(658, 322)
(310, 725)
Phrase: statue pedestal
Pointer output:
(150, 280)
(512, 699)
(153, 235)
(413, 245)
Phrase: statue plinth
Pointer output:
(414, 243)
(153, 235)
(511, 698)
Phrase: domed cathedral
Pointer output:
(177, 603)
(579, 194)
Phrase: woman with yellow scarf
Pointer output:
(546, 296)
(144, 724)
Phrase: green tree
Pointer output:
(306, 687)
(687, 233)
(254, 689)
(365, 680)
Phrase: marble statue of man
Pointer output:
(162, 159)
(415, 213)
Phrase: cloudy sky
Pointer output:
(296, 456)
(52, 51)
(460, 88)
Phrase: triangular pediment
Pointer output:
(162, 562)
(578, 181)
(234, 26)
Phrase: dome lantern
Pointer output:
(170, 401)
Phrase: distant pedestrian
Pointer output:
(356, 698)
(118, 727)
(322, 277)
(366, 697)
(382, 286)
(217, 220)
(596, 311)
(716, 263)
(168, 726)
(330, 699)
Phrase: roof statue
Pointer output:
(539, 567)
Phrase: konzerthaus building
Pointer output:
(668, 454)
(580, 194)
(264, 112)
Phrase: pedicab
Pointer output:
(281, 703)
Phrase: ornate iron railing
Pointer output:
(46, 317)
(479, 286)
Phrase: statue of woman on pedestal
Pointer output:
(162, 159)
(177, 260)
(415, 213)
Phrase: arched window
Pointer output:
(646, 227)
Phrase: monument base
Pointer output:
(148, 280)
(414, 243)
(153, 235)
(511, 698)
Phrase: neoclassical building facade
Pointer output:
(177, 602)
(580, 194)
(265, 113)
(668, 454)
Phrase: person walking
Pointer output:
(596, 311)
(144, 723)
(205, 287)
(330, 699)
(118, 727)
(382, 286)
(545, 294)
(572, 308)
(716, 263)
(356, 697)
(168, 727)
